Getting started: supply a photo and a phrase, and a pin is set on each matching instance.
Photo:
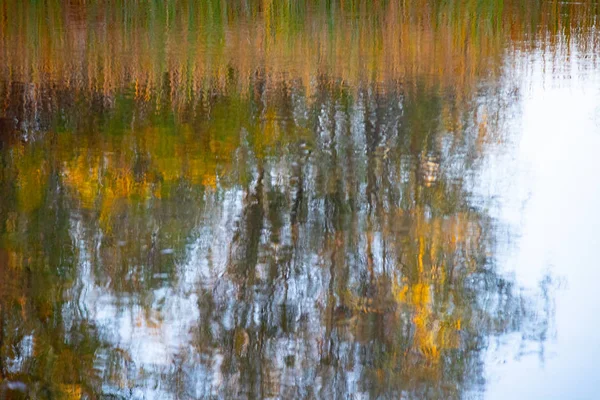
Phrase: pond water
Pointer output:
(299, 199)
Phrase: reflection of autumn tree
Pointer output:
(339, 273)
(44, 342)
(343, 264)
(314, 206)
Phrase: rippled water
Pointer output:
(299, 199)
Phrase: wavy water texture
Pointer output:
(260, 199)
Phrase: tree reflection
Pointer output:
(251, 229)
(272, 246)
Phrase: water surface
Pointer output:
(298, 199)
